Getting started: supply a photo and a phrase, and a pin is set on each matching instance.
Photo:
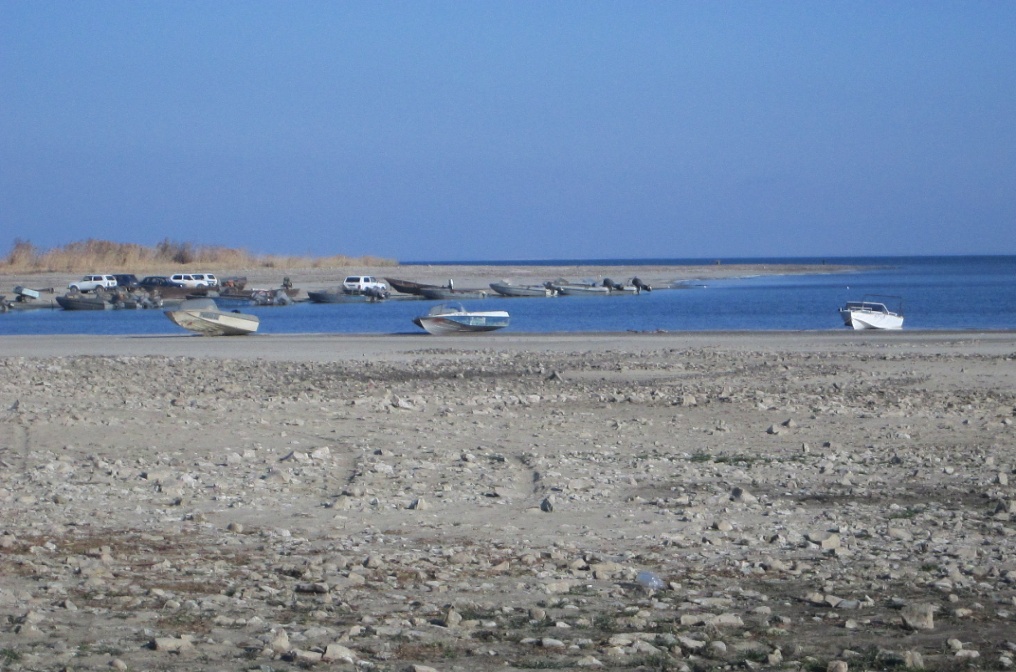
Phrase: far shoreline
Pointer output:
(465, 275)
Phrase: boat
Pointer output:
(341, 296)
(454, 319)
(407, 286)
(449, 294)
(202, 316)
(508, 289)
(77, 301)
(589, 288)
(871, 314)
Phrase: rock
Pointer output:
(919, 616)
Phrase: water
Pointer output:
(938, 293)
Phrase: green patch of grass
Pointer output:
(9, 655)
(701, 457)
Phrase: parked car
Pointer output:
(150, 282)
(361, 284)
(193, 280)
(90, 283)
(208, 278)
(127, 280)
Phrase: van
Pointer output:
(192, 280)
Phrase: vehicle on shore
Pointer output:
(128, 281)
(90, 283)
(195, 280)
(164, 287)
(870, 314)
(363, 284)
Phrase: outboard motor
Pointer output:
(610, 284)
(640, 286)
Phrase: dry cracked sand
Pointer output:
(801, 501)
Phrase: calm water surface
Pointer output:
(937, 292)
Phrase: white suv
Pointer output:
(194, 280)
(360, 284)
(207, 278)
(90, 283)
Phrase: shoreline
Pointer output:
(515, 502)
(465, 276)
(322, 347)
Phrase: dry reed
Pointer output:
(108, 257)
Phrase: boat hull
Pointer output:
(445, 294)
(463, 323)
(867, 319)
(83, 303)
(214, 323)
(583, 290)
(505, 289)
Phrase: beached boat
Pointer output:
(565, 288)
(508, 289)
(448, 294)
(341, 296)
(454, 319)
(202, 316)
(407, 286)
(83, 302)
(870, 314)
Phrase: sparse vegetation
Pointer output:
(86, 255)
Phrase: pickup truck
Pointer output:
(90, 283)
(363, 284)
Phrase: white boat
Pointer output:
(202, 316)
(454, 319)
(506, 288)
(869, 314)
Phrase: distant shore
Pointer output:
(464, 276)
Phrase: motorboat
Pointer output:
(565, 288)
(447, 293)
(202, 316)
(506, 288)
(408, 286)
(454, 319)
(78, 301)
(871, 314)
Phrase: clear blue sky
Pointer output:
(524, 129)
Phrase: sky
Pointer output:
(516, 130)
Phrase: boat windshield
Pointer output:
(198, 304)
(446, 308)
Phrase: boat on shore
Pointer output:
(83, 302)
(449, 294)
(203, 317)
(454, 319)
(590, 288)
(871, 314)
(342, 296)
(408, 286)
(506, 288)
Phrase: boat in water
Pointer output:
(454, 319)
(203, 317)
(506, 288)
(871, 314)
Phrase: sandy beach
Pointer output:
(509, 502)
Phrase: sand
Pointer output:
(508, 502)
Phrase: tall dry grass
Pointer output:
(103, 256)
